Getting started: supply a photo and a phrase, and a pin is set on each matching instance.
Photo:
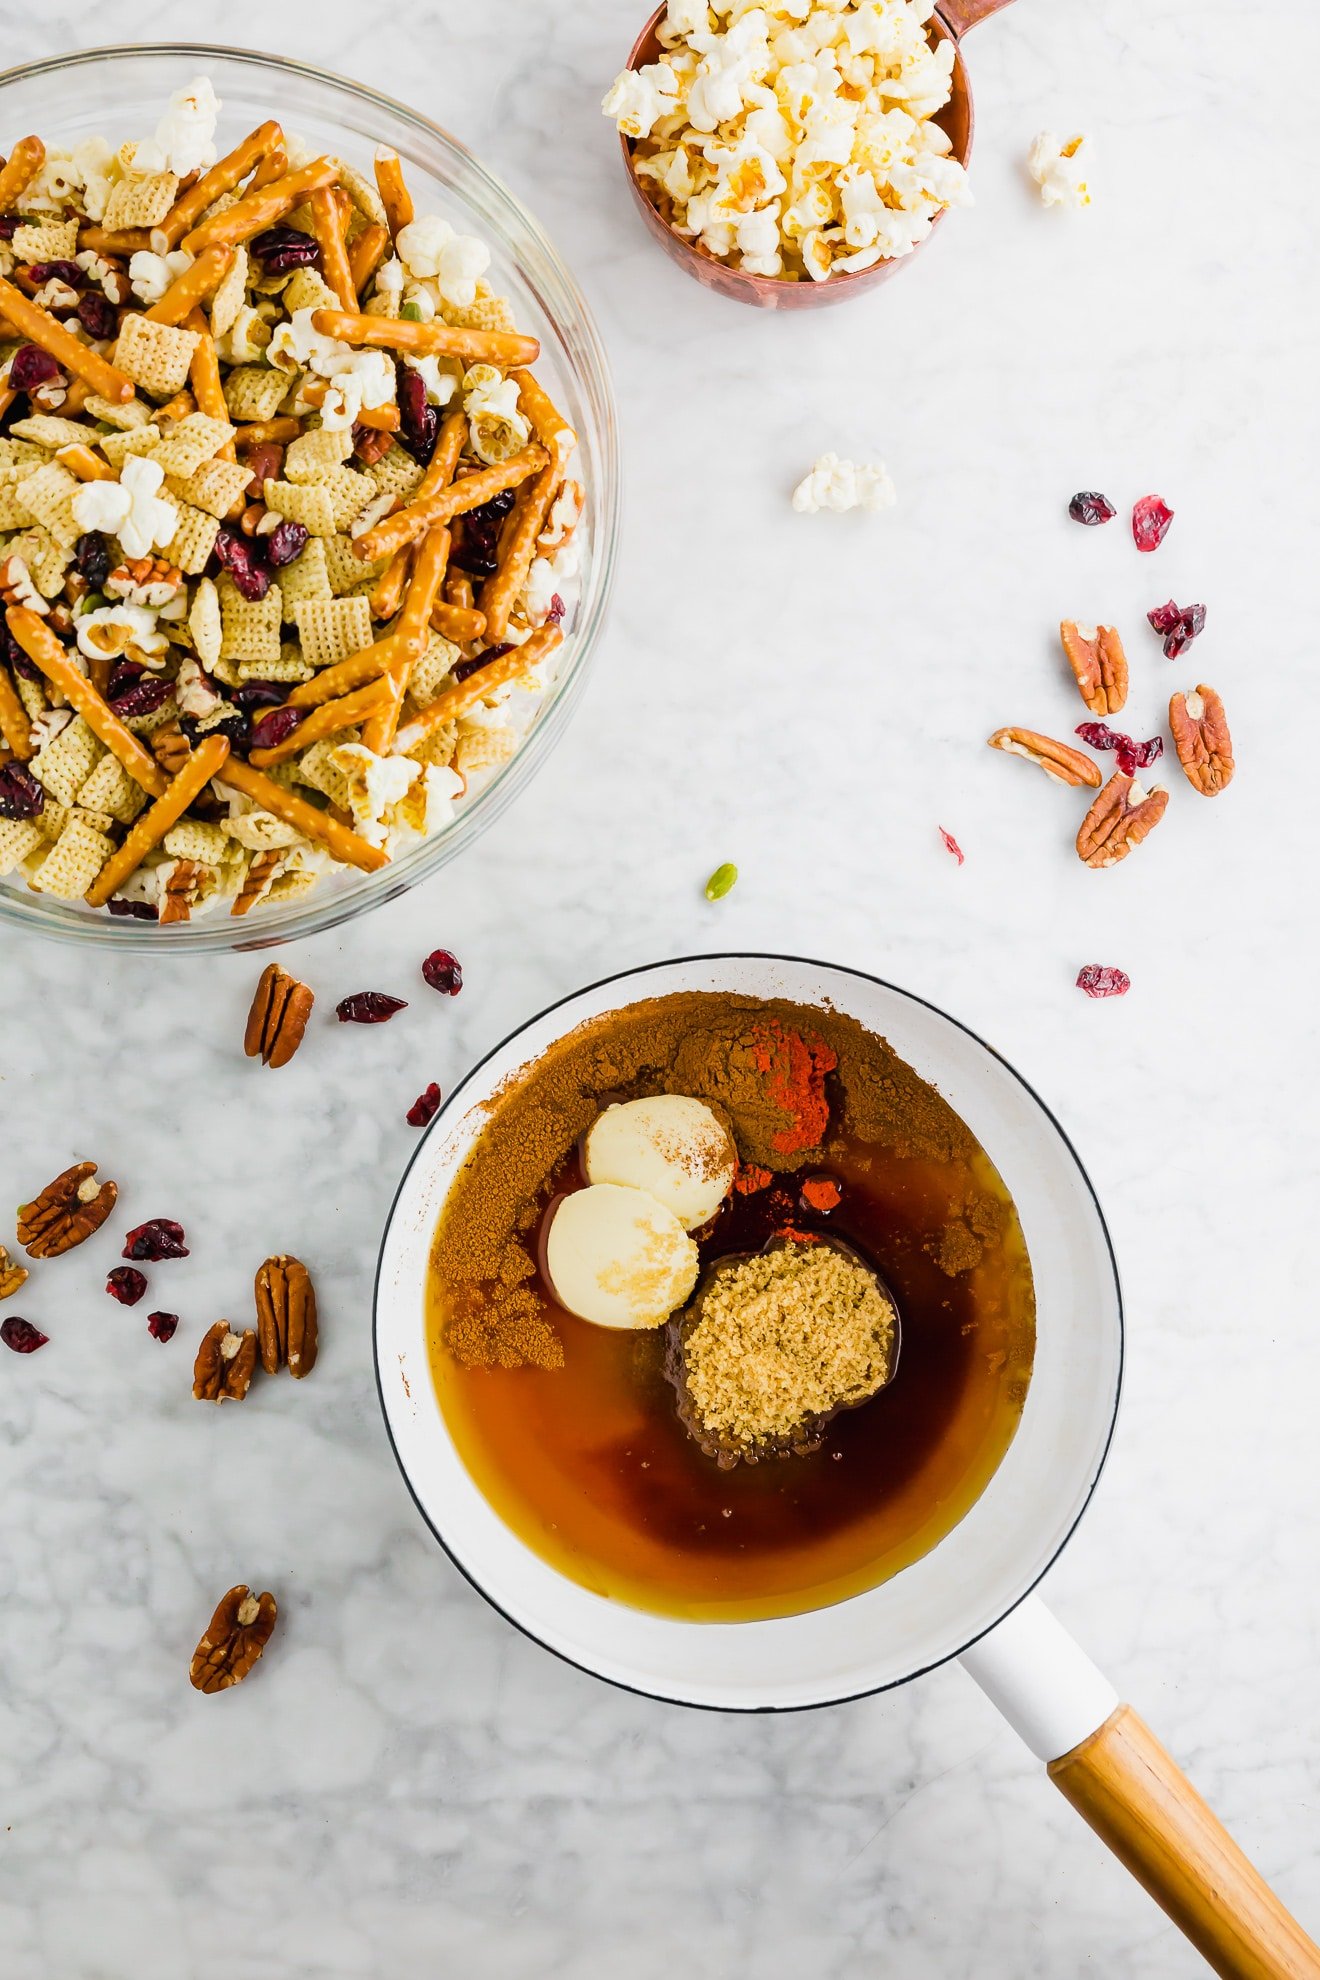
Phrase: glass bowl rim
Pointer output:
(212, 936)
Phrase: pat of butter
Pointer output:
(671, 1146)
(618, 1258)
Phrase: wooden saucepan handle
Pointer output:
(1142, 1806)
(959, 15)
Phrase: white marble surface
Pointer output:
(406, 1786)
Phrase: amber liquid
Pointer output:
(592, 1469)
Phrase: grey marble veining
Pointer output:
(406, 1786)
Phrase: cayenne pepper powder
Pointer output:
(795, 1069)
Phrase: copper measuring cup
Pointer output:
(949, 23)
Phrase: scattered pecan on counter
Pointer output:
(235, 1637)
(66, 1212)
(1121, 817)
(1058, 760)
(1096, 656)
(1201, 738)
(278, 1017)
(12, 1276)
(225, 1364)
(286, 1316)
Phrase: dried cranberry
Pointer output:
(443, 972)
(1151, 517)
(260, 694)
(21, 1335)
(478, 549)
(281, 248)
(425, 1107)
(126, 1284)
(143, 698)
(32, 367)
(464, 669)
(159, 1238)
(98, 315)
(369, 1007)
(1099, 980)
(1090, 507)
(1177, 625)
(238, 728)
(132, 910)
(9, 226)
(162, 1325)
(555, 615)
(951, 845)
(1132, 755)
(21, 796)
(11, 651)
(124, 675)
(237, 555)
(286, 541)
(92, 556)
(68, 272)
(275, 727)
(419, 421)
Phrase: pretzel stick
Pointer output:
(25, 161)
(328, 226)
(124, 241)
(499, 594)
(84, 463)
(267, 432)
(366, 255)
(458, 622)
(349, 712)
(548, 423)
(458, 590)
(394, 194)
(456, 701)
(41, 646)
(411, 634)
(75, 398)
(38, 327)
(344, 845)
(358, 670)
(469, 493)
(273, 166)
(151, 827)
(178, 407)
(13, 720)
(381, 419)
(387, 594)
(224, 175)
(204, 376)
(187, 290)
(390, 333)
(445, 459)
(260, 209)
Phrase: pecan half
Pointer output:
(225, 1364)
(1058, 760)
(1201, 738)
(181, 891)
(11, 1276)
(66, 1212)
(278, 1017)
(171, 748)
(286, 1316)
(1096, 656)
(235, 1637)
(150, 581)
(1121, 817)
(258, 879)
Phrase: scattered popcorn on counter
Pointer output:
(794, 139)
(1061, 168)
(842, 485)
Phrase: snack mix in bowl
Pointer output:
(285, 518)
(796, 138)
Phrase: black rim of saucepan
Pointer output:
(682, 962)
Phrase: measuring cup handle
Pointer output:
(959, 15)
(1119, 1778)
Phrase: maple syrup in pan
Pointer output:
(591, 1467)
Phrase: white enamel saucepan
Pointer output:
(971, 1596)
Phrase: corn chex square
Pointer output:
(53, 820)
(349, 493)
(230, 295)
(195, 838)
(73, 862)
(250, 628)
(312, 507)
(193, 540)
(255, 391)
(48, 430)
(111, 790)
(47, 562)
(195, 439)
(67, 760)
(307, 457)
(133, 440)
(46, 240)
(16, 454)
(317, 768)
(204, 622)
(49, 494)
(159, 718)
(345, 569)
(19, 837)
(436, 746)
(396, 471)
(14, 511)
(132, 413)
(291, 666)
(332, 629)
(305, 579)
(141, 200)
(431, 669)
(155, 356)
(361, 191)
(215, 486)
(287, 886)
(486, 313)
(99, 821)
(307, 290)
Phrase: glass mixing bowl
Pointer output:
(121, 93)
